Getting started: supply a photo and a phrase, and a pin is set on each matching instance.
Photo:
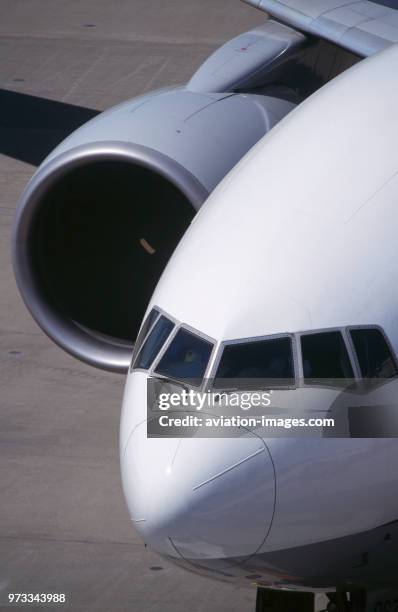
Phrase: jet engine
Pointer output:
(102, 215)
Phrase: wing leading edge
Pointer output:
(363, 27)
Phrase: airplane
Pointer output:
(247, 218)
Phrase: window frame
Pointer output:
(192, 330)
(161, 312)
(135, 352)
(220, 351)
(349, 348)
(385, 337)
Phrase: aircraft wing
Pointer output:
(363, 27)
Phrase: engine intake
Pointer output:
(101, 217)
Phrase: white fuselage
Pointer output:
(299, 237)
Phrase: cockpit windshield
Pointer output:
(186, 358)
(269, 360)
(325, 359)
(154, 342)
(146, 326)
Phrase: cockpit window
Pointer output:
(269, 360)
(154, 342)
(325, 358)
(186, 358)
(146, 326)
(374, 356)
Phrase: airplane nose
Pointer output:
(199, 498)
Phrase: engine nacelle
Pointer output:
(102, 215)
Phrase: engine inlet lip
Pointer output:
(101, 352)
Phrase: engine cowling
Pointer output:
(100, 218)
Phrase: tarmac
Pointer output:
(64, 527)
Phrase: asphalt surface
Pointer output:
(64, 527)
